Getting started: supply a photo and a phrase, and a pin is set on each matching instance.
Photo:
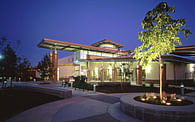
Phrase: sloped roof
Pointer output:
(177, 59)
(185, 50)
(106, 41)
(68, 46)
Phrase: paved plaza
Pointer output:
(84, 106)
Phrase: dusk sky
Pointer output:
(82, 21)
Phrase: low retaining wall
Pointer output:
(62, 93)
(154, 113)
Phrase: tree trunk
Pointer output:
(160, 63)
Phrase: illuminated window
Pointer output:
(96, 72)
(107, 45)
(192, 67)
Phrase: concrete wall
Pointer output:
(66, 67)
(180, 70)
(174, 71)
(66, 71)
(169, 71)
(65, 60)
(190, 69)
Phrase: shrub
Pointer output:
(151, 85)
(80, 82)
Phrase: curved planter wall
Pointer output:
(149, 112)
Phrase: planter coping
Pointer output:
(129, 99)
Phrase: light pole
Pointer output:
(1, 56)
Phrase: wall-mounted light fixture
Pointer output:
(148, 69)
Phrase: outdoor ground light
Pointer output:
(143, 99)
(154, 97)
(168, 103)
(179, 100)
(163, 101)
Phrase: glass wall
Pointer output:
(77, 57)
(82, 54)
(95, 75)
(125, 71)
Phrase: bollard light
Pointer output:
(71, 83)
(182, 89)
(94, 88)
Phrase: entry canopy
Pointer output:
(68, 46)
(185, 51)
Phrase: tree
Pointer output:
(44, 69)
(11, 65)
(160, 36)
(23, 68)
(3, 41)
(8, 64)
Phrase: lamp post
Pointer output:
(1, 56)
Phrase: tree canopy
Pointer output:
(12, 65)
(23, 68)
(160, 35)
(9, 62)
(44, 69)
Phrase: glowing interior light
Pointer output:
(110, 69)
(148, 68)
(192, 66)
(96, 72)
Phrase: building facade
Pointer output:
(105, 61)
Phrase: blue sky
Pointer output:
(81, 21)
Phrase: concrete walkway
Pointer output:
(84, 106)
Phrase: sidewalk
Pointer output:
(83, 106)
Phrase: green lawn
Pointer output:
(14, 101)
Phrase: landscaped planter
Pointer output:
(150, 112)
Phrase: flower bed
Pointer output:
(154, 113)
(170, 100)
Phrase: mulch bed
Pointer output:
(14, 101)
